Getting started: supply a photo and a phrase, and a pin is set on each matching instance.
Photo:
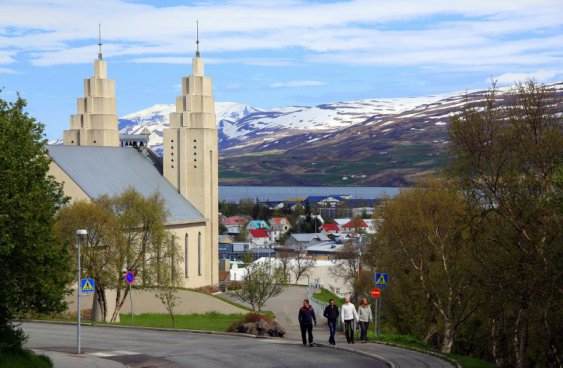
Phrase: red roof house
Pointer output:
(330, 228)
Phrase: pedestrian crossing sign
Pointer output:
(87, 286)
(381, 279)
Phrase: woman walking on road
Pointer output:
(364, 316)
(348, 316)
(331, 314)
(306, 319)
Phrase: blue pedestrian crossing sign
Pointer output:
(87, 286)
(381, 279)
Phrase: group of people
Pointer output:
(348, 314)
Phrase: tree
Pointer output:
(302, 265)
(168, 277)
(125, 233)
(347, 264)
(429, 224)
(285, 258)
(33, 265)
(505, 157)
(262, 281)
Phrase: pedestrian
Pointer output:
(331, 313)
(349, 316)
(306, 320)
(364, 317)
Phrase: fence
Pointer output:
(319, 306)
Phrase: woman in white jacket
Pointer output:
(364, 316)
(348, 316)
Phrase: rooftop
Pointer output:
(112, 170)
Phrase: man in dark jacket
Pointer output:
(306, 319)
(331, 313)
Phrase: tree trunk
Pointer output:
(448, 336)
(99, 307)
(119, 301)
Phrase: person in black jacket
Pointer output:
(306, 319)
(331, 313)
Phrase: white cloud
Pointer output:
(8, 71)
(460, 33)
(297, 83)
(539, 75)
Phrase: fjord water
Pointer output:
(270, 193)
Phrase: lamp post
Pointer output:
(79, 233)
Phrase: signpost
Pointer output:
(381, 280)
(130, 278)
(87, 286)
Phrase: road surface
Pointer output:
(148, 348)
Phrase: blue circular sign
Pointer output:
(129, 277)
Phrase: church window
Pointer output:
(186, 256)
(171, 153)
(94, 141)
(195, 166)
(172, 147)
(195, 159)
(195, 140)
(199, 254)
(172, 141)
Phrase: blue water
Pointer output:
(264, 193)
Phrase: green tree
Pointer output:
(429, 227)
(262, 281)
(505, 157)
(125, 232)
(33, 265)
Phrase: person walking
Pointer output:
(331, 313)
(349, 316)
(364, 317)
(306, 319)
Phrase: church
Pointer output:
(95, 160)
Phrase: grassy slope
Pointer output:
(24, 359)
(208, 321)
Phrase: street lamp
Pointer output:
(79, 233)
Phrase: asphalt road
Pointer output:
(145, 348)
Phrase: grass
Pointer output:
(324, 295)
(468, 362)
(208, 321)
(23, 358)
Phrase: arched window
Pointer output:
(199, 254)
(186, 256)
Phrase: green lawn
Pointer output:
(468, 362)
(325, 295)
(24, 359)
(208, 321)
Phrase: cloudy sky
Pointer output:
(273, 52)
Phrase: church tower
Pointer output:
(190, 159)
(95, 123)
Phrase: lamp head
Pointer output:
(81, 232)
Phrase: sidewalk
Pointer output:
(66, 360)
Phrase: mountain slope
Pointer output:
(385, 142)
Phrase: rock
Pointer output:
(261, 327)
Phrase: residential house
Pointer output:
(258, 237)
(234, 224)
(300, 242)
(329, 229)
(257, 224)
(341, 222)
(278, 227)
(356, 225)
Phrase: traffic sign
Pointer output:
(130, 277)
(87, 286)
(381, 279)
(376, 292)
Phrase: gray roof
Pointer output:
(112, 170)
(308, 237)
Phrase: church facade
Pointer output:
(94, 160)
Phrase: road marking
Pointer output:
(107, 354)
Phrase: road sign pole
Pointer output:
(131, 300)
(378, 318)
(78, 298)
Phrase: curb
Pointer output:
(152, 329)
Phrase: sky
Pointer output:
(268, 53)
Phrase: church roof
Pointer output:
(112, 170)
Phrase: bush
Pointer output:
(208, 289)
(234, 285)
(249, 318)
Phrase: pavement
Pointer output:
(143, 348)
(286, 307)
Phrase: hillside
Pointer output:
(380, 142)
